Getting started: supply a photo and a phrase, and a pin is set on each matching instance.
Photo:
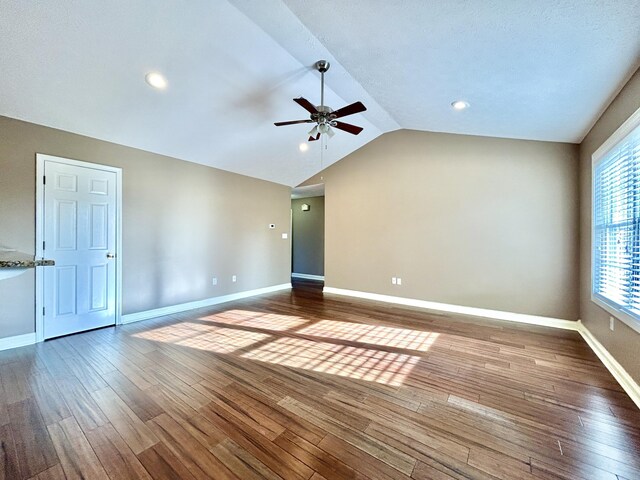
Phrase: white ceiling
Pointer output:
(537, 70)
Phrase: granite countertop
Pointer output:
(14, 259)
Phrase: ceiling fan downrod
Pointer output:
(322, 66)
(324, 124)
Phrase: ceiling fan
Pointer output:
(323, 116)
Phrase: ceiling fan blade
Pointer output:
(293, 122)
(347, 127)
(306, 104)
(313, 139)
(356, 107)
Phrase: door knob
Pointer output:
(111, 255)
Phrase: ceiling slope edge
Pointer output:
(286, 29)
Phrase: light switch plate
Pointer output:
(285, 235)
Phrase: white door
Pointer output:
(79, 233)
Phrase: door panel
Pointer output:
(98, 221)
(99, 287)
(99, 187)
(66, 182)
(66, 281)
(79, 232)
(65, 224)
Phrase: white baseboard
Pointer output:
(207, 302)
(307, 276)
(619, 373)
(473, 311)
(17, 341)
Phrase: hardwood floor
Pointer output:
(291, 385)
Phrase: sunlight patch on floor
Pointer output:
(276, 341)
(372, 334)
(204, 337)
(359, 363)
(267, 321)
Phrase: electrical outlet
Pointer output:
(611, 323)
(394, 280)
(233, 278)
(399, 281)
(214, 281)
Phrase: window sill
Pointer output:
(618, 314)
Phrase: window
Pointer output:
(616, 223)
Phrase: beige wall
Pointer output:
(465, 220)
(182, 223)
(308, 236)
(623, 343)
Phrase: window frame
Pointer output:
(599, 155)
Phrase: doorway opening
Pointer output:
(307, 232)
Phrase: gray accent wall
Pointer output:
(464, 220)
(623, 342)
(183, 223)
(308, 236)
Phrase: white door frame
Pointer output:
(40, 159)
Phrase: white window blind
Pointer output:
(616, 227)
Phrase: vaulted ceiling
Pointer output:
(541, 70)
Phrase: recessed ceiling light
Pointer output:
(459, 105)
(156, 80)
(304, 146)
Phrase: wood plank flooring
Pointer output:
(296, 386)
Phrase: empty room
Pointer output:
(281, 239)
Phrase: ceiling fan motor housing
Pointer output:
(323, 115)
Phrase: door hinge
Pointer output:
(44, 179)
(43, 246)
(43, 311)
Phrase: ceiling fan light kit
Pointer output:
(323, 116)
